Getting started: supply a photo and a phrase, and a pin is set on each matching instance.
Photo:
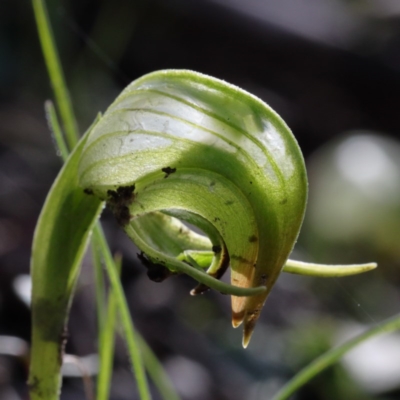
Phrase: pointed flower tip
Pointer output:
(237, 319)
(236, 323)
(246, 339)
(248, 329)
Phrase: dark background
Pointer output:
(331, 69)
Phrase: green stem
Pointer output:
(55, 72)
(106, 342)
(99, 285)
(333, 355)
(54, 126)
(106, 348)
(126, 320)
(64, 104)
(156, 371)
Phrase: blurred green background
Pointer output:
(331, 69)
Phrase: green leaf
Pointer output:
(60, 240)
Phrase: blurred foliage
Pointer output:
(354, 201)
(307, 343)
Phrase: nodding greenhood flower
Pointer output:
(181, 146)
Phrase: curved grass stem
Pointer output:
(55, 72)
(126, 320)
(334, 355)
(56, 129)
(107, 323)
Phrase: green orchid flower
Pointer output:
(175, 147)
(181, 146)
